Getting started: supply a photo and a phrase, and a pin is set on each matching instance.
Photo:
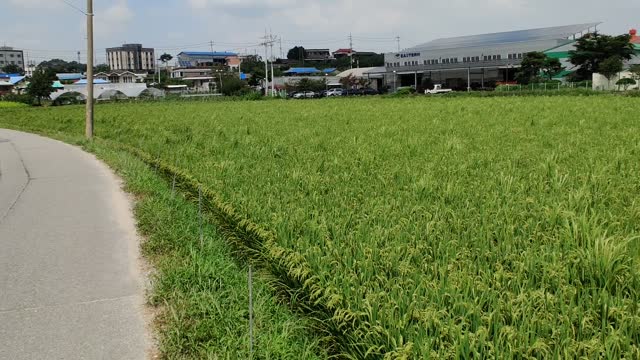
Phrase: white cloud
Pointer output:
(35, 4)
(113, 20)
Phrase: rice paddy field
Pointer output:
(422, 227)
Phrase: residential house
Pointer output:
(121, 77)
(196, 59)
(317, 54)
(179, 73)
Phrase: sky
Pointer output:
(48, 29)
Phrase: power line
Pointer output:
(71, 5)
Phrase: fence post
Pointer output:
(200, 214)
(250, 312)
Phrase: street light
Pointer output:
(326, 82)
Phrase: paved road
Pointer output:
(70, 279)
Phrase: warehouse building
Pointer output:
(477, 61)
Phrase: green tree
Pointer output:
(297, 53)
(102, 68)
(61, 66)
(593, 49)
(625, 83)
(610, 67)
(165, 58)
(306, 84)
(40, 86)
(531, 66)
(551, 67)
(231, 85)
(12, 69)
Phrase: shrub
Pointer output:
(11, 104)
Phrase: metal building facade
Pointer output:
(476, 60)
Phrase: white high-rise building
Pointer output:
(131, 57)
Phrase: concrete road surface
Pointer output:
(70, 278)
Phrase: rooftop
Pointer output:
(71, 76)
(548, 33)
(208, 53)
(95, 82)
(302, 71)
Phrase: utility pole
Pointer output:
(273, 81)
(78, 57)
(213, 58)
(89, 117)
(351, 49)
(266, 63)
(398, 42)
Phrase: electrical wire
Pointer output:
(73, 6)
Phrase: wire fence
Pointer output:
(547, 86)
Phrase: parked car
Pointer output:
(304, 95)
(437, 89)
(369, 91)
(334, 92)
(351, 92)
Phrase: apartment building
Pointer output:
(131, 57)
(11, 56)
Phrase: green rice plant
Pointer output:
(466, 227)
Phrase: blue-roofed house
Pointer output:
(195, 59)
(476, 61)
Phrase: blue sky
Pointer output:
(51, 28)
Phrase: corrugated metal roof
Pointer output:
(69, 76)
(549, 33)
(302, 71)
(16, 79)
(95, 82)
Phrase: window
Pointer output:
(12, 55)
(520, 56)
(13, 62)
(498, 57)
(19, 56)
